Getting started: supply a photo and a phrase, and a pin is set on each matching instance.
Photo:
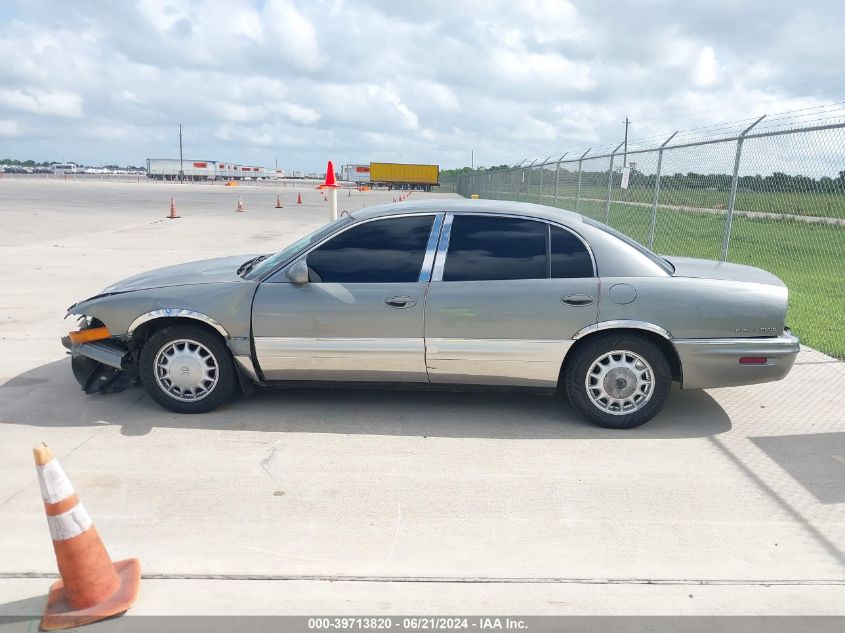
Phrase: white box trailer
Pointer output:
(228, 171)
(271, 173)
(64, 168)
(359, 174)
(254, 173)
(170, 168)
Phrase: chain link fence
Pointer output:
(772, 198)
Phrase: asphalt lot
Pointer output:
(732, 501)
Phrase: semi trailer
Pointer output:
(174, 169)
(359, 174)
(405, 175)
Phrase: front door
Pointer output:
(360, 316)
(507, 295)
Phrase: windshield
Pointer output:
(657, 259)
(289, 252)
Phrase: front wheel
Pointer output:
(618, 381)
(187, 369)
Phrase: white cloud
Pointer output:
(293, 36)
(706, 70)
(253, 80)
(52, 102)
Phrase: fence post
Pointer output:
(557, 178)
(610, 184)
(729, 219)
(518, 183)
(578, 190)
(542, 173)
(653, 224)
(528, 180)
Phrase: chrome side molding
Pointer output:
(620, 324)
(176, 312)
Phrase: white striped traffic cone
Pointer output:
(92, 588)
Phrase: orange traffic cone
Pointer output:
(278, 202)
(240, 207)
(299, 198)
(92, 588)
(172, 215)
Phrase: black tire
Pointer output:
(584, 358)
(226, 378)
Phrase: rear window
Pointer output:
(570, 258)
(657, 259)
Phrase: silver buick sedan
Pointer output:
(441, 294)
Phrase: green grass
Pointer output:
(810, 258)
(827, 205)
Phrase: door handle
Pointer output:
(400, 302)
(578, 300)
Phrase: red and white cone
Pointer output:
(92, 587)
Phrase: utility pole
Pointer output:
(472, 159)
(625, 155)
(181, 166)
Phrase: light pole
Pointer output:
(181, 166)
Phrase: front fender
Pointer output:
(224, 306)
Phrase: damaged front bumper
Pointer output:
(100, 366)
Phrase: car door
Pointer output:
(506, 296)
(360, 315)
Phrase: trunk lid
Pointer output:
(710, 269)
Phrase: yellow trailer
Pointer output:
(405, 176)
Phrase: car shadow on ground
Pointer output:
(49, 396)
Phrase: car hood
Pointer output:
(207, 271)
(710, 269)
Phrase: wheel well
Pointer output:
(664, 344)
(146, 330)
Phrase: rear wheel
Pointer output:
(618, 381)
(187, 369)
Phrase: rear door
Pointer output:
(507, 295)
(360, 316)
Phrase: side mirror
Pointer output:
(298, 272)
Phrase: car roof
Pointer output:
(462, 205)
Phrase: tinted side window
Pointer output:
(483, 248)
(383, 251)
(570, 257)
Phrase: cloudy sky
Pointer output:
(100, 82)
